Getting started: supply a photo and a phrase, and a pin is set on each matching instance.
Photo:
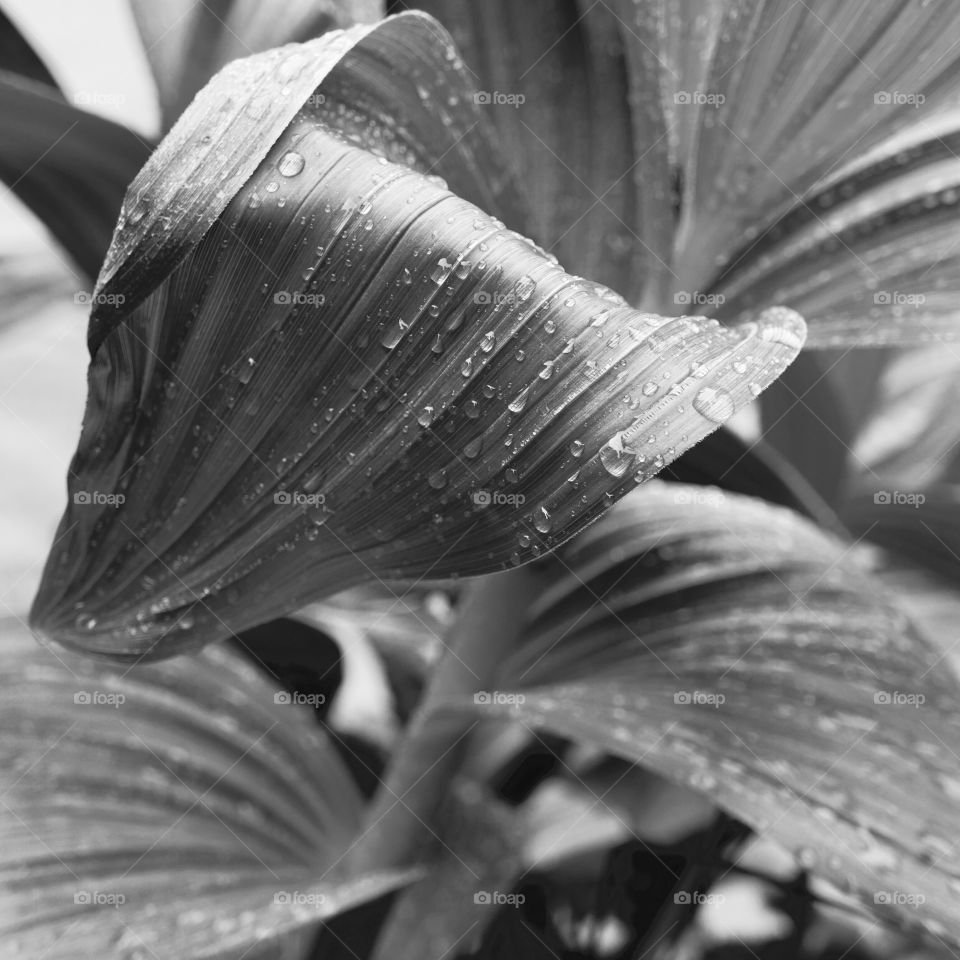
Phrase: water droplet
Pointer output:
(426, 417)
(441, 271)
(549, 326)
(393, 333)
(290, 164)
(473, 448)
(649, 388)
(524, 287)
(542, 519)
(715, 405)
(467, 367)
(517, 404)
(438, 480)
(576, 448)
(246, 370)
(488, 342)
(615, 457)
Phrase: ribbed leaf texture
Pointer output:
(347, 371)
(184, 809)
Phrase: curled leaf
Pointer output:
(734, 648)
(175, 810)
(351, 372)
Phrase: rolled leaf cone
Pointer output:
(314, 365)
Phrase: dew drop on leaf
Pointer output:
(524, 288)
(542, 519)
(517, 404)
(290, 164)
(717, 406)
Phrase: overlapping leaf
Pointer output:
(69, 166)
(351, 372)
(179, 810)
(770, 151)
(872, 256)
(736, 649)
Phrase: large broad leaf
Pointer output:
(314, 366)
(180, 810)
(188, 41)
(736, 649)
(69, 166)
(739, 151)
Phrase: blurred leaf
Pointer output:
(188, 41)
(920, 526)
(805, 421)
(474, 865)
(18, 56)
(755, 469)
(736, 649)
(181, 809)
(911, 437)
(29, 282)
(931, 600)
(357, 374)
(69, 167)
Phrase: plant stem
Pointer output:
(428, 756)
